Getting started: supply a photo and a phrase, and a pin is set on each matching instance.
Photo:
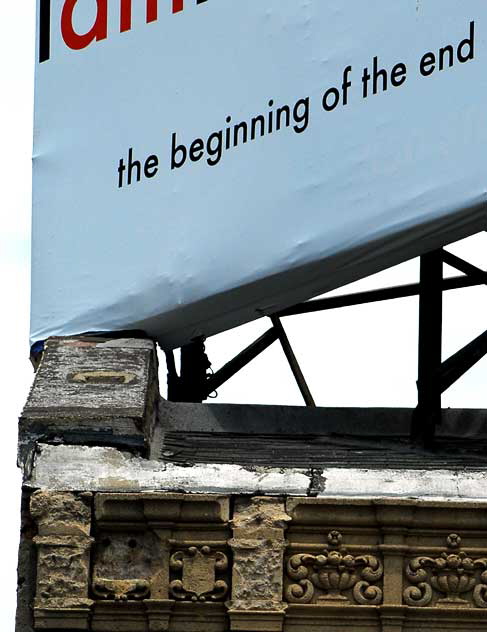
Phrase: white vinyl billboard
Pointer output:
(200, 163)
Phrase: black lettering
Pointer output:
(151, 166)
(470, 44)
(133, 164)
(175, 163)
(241, 126)
(214, 150)
(280, 111)
(270, 124)
(378, 73)
(443, 52)
(257, 119)
(331, 92)
(365, 82)
(427, 64)
(228, 133)
(346, 85)
(44, 30)
(398, 75)
(121, 170)
(197, 150)
(301, 115)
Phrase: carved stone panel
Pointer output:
(199, 574)
(169, 563)
(334, 576)
(124, 565)
(453, 578)
(62, 571)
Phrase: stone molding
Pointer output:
(170, 562)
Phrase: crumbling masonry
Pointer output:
(141, 515)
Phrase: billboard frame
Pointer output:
(195, 383)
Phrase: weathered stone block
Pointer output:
(103, 391)
(258, 545)
(59, 513)
(63, 559)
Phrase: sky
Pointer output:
(360, 356)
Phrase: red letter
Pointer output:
(97, 32)
(126, 13)
(177, 5)
(151, 10)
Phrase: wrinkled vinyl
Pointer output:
(199, 164)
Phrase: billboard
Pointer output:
(200, 163)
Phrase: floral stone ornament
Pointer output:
(332, 573)
(453, 575)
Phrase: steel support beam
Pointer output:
(374, 296)
(472, 272)
(195, 383)
(428, 413)
(240, 361)
(462, 361)
(293, 363)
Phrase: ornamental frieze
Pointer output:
(334, 576)
(452, 579)
(177, 562)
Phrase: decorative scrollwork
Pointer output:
(121, 589)
(334, 571)
(480, 591)
(452, 574)
(197, 568)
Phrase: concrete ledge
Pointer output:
(71, 468)
(107, 469)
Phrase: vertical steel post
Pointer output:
(173, 379)
(194, 367)
(428, 413)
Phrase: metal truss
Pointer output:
(195, 383)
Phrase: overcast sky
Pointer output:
(361, 356)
